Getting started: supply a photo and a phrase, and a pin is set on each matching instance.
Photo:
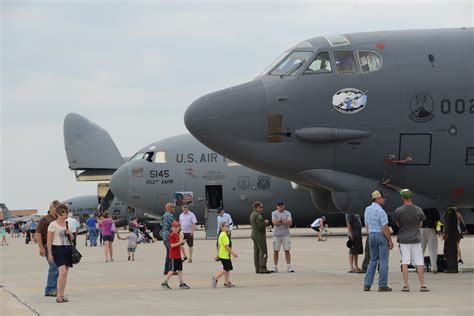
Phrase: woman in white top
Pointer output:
(60, 249)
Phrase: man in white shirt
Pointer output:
(318, 226)
(223, 217)
(188, 221)
(73, 225)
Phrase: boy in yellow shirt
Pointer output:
(224, 256)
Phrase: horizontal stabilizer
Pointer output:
(88, 146)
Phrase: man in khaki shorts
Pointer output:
(282, 221)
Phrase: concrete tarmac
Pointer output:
(320, 284)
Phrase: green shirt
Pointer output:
(224, 241)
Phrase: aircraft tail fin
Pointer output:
(89, 147)
(6, 212)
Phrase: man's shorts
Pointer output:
(176, 265)
(226, 264)
(315, 228)
(412, 253)
(189, 239)
(131, 249)
(357, 247)
(279, 240)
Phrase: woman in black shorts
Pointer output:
(60, 249)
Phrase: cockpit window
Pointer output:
(137, 156)
(274, 63)
(290, 64)
(160, 157)
(369, 61)
(345, 62)
(320, 64)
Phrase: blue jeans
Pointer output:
(53, 274)
(379, 251)
(167, 266)
(93, 236)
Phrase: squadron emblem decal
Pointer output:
(349, 100)
(421, 107)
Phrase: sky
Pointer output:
(133, 67)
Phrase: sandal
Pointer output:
(351, 271)
(61, 299)
(424, 289)
(405, 289)
(190, 260)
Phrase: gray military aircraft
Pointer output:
(344, 115)
(8, 216)
(182, 170)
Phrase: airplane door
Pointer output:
(214, 196)
(415, 149)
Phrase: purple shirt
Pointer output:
(107, 227)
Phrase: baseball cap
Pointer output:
(406, 194)
(280, 202)
(323, 217)
(175, 224)
(377, 194)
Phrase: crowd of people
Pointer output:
(56, 234)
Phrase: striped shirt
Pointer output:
(375, 218)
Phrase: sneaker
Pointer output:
(424, 289)
(165, 285)
(214, 282)
(184, 286)
(366, 288)
(229, 285)
(289, 269)
(385, 289)
(54, 293)
(275, 269)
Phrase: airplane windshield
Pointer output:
(274, 63)
(137, 156)
(290, 64)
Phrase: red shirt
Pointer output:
(175, 253)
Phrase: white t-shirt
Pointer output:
(224, 219)
(60, 237)
(316, 223)
(73, 224)
(187, 221)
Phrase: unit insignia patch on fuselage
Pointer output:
(349, 100)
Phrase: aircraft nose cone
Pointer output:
(119, 183)
(227, 111)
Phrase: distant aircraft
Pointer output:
(8, 217)
(180, 169)
(83, 206)
(344, 115)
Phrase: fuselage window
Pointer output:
(345, 62)
(369, 61)
(160, 157)
(321, 64)
(290, 64)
